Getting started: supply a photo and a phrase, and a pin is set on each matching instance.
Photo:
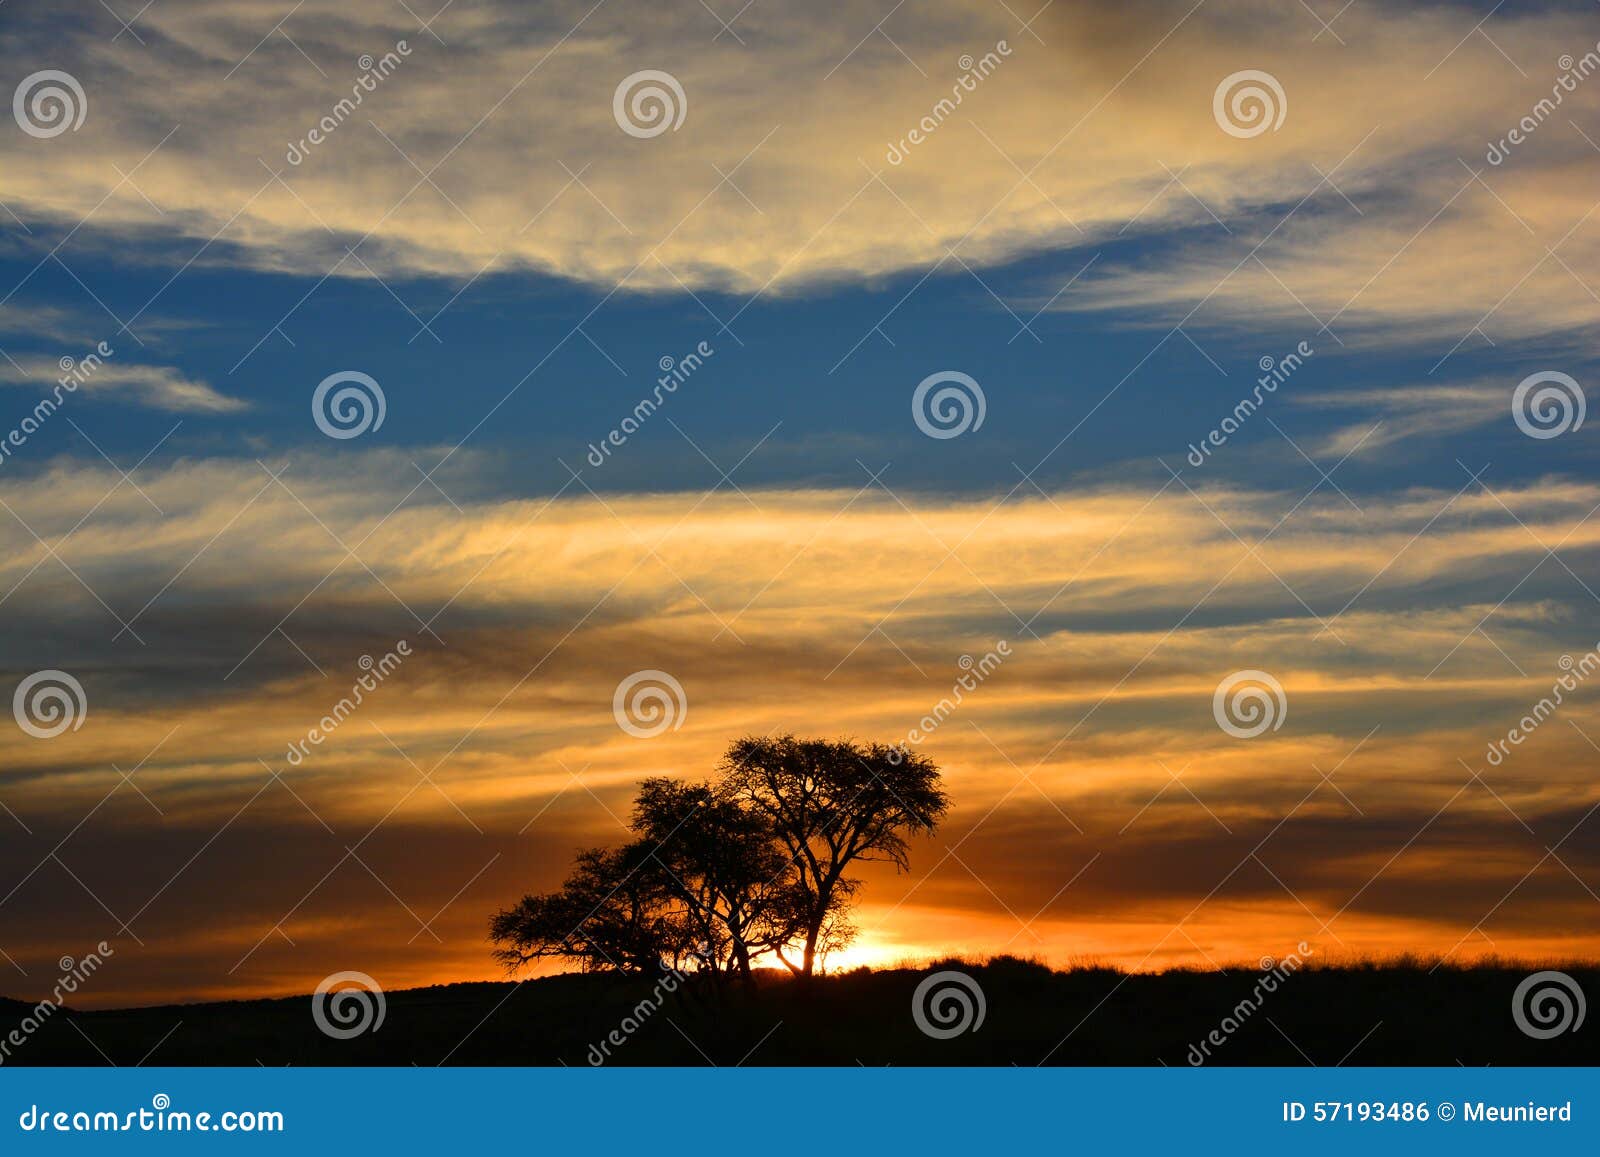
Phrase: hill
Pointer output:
(1376, 1014)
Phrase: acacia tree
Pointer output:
(724, 875)
(831, 803)
(705, 885)
(723, 867)
(612, 912)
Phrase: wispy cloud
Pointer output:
(1405, 412)
(1097, 127)
(155, 387)
(35, 321)
(248, 615)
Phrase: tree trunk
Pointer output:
(824, 899)
(813, 934)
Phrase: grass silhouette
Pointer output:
(1400, 1011)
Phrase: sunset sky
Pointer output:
(1083, 237)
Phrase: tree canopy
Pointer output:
(720, 875)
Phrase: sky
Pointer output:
(1199, 346)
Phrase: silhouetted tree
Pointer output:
(718, 877)
(705, 886)
(723, 866)
(831, 803)
(612, 912)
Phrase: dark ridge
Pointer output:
(1403, 1012)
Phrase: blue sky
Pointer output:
(804, 361)
(810, 360)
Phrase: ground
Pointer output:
(1389, 1014)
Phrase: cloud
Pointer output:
(218, 614)
(155, 387)
(33, 321)
(252, 601)
(498, 149)
(1410, 411)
